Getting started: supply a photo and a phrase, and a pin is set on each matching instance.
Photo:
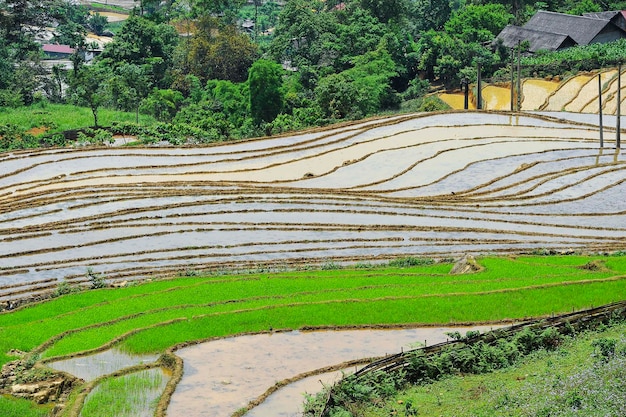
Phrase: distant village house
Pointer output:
(555, 31)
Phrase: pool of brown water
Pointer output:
(223, 376)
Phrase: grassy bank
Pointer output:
(585, 376)
(14, 407)
(51, 118)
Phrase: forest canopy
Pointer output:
(211, 70)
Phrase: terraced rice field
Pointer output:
(577, 94)
(423, 185)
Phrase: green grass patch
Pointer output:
(61, 117)
(16, 407)
(577, 379)
(154, 316)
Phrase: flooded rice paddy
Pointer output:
(577, 94)
(420, 185)
(225, 375)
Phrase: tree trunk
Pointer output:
(94, 111)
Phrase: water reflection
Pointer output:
(103, 363)
(223, 376)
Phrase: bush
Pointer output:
(96, 280)
(410, 261)
(63, 288)
(605, 347)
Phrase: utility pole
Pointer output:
(618, 133)
(519, 75)
(479, 101)
(512, 80)
(465, 85)
(600, 109)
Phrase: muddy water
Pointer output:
(222, 376)
(536, 92)
(587, 98)
(94, 366)
(568, 90)
(456, 101)
(496, 98)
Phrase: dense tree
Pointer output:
(129, 86)
(90, 88)
(71, 34)
(297, 35)
(266, 92)
(162, 104)
(361, 90)
(97, 23)
(478, 23)
(227, 9)
(386, 10)
(584, 6)
(143, 42)
(217, 51)
(429, 14)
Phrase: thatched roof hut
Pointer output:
(553, 31)
(584, 30)
(511, 35)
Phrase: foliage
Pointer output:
(88, 87)
(216, 51)
(410, 261)
(162, 104)
(98, 23)
(573, 60)
(386, 10)
(15, 137)
(64, 288)
(569, 381)
(471, 356)
(361, 90)
(144, 43)
(266, 91)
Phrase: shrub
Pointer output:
(410, 261)
(63, 288)
(605, 347)
(96, 280)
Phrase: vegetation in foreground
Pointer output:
(584, 375)
(15, 407)
(155, 316)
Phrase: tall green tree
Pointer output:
(217, 51)
(478, 23)
(143, 42)
(387, 10)
(266, 92)
(361, 90)
(130, 85)
(429, 14)
(299, 30)
(90, 87)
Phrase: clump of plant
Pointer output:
(410, 261)
(96, 280)
(471, 355)
(63, 288)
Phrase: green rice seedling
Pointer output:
(132, 395)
